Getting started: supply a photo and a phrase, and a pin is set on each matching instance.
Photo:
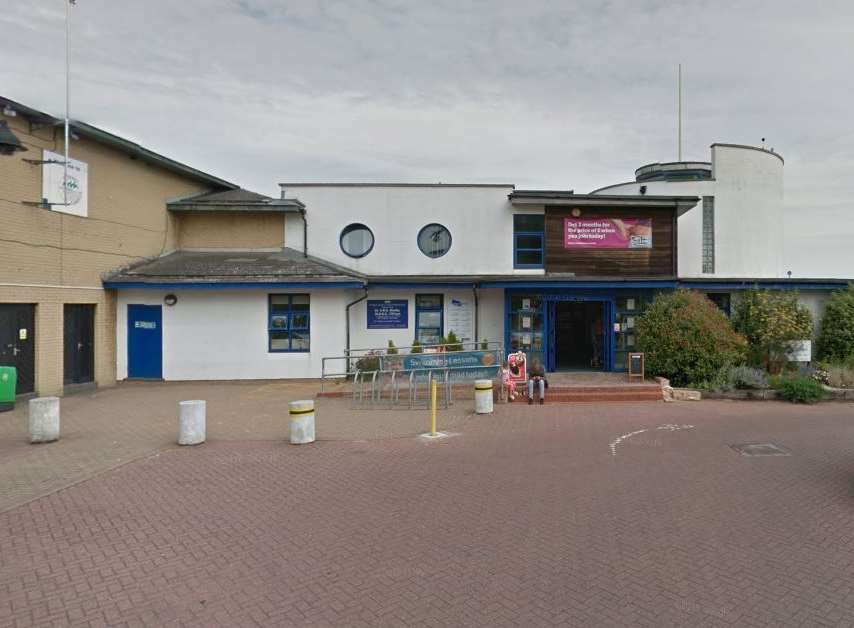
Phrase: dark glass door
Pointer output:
(18, 341)
(79, 352)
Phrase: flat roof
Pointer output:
(328, 184)
(567, 198)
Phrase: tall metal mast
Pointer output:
(679, 112)
(68, 4)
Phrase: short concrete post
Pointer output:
(191, 422)
(483, 396)
(301, 421)
(44, 419)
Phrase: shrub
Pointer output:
(738, 378)
(392, 350)
(416, 347)
(800, 389)
(687, 339)
(839, 375)
(746, 378)
(368, 362)
(484, 345)
(451, 342)
(770, 321)
(836, 338)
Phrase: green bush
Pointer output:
(799, 389)
(687, 339)
(368, 362)
(836, 338)
(416, 347)
(770, 321)
(392, 350)
(451, 342)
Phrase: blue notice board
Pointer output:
(388, 314)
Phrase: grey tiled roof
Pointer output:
(286, 265)
(234, 200)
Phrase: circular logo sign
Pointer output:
(71, 187)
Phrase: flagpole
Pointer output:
(67, 98)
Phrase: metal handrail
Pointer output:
(327, 373)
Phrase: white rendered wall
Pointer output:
(213, 334)
(748, 188)
(479, 219)
(490, 316)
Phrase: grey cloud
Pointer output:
(543, 94)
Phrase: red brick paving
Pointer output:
(524, 518)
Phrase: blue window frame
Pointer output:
(289, 323)
(528, 240)
(429, 318)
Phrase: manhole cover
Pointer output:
(761, 449)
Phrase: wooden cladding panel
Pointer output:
(660, 260)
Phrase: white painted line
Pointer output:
(667, 427)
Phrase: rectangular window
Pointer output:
(429, 318)
(288, 323)
(708, 234)
(528, 240)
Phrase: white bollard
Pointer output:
(44, 419)
(483, 396)
(191, 422)
(301, 421)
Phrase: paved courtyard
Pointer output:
(556, 515)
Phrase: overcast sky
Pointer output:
(568, 95)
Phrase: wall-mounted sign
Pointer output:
(607, 233)
(388, 314)
(145, 325)
(58, 189)
(461, 318)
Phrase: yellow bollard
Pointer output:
(433, 408)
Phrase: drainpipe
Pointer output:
(304, 232)
(476, 336)
(347, 315)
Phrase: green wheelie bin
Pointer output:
(8, 382)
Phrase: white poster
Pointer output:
(460, 319)
(75, 189)
(800, 351)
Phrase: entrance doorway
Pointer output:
(579, 342)
(145, 342)
(79, 350)
(17, 343)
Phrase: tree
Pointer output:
(687, 339)
(836, 338)
(771, 321)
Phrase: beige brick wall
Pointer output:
(50, 258)
(49, 302)
(231, 230)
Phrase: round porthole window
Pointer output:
(434, 240)
(357, 240)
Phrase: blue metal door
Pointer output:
(145, 341)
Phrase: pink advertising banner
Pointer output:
(607, 233)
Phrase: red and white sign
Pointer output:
(607, 233)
